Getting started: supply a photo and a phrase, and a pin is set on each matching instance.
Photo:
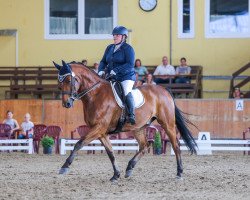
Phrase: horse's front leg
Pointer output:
(93, 134)
(108, 146)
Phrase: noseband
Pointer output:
(73, 93)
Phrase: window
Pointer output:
(80, 19)
(186, 18)
(227, 18)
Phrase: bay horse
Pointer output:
(101, 114)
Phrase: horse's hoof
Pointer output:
(128, 173)
(178, 177)
(115, 178)
(63, 170)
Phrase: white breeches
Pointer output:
(127, 86)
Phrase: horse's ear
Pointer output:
(64, 63)
(57, 66)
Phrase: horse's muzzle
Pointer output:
(68, 103)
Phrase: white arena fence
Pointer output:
(205, 147)
(11, 145)
(127, 145)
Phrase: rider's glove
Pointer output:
(112, 72)
(101, 73)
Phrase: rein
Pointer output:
(73, 93)
(82, 94)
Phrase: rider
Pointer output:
(118, 61)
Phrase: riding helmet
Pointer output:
(120, 30)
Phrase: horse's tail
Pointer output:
(182, 124)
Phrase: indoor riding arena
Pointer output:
(71, 127)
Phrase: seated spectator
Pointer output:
(96, 65)
(10, 121)
(137, 81)
(182, 70)
(27, 127)
(149, 80)
(141, 70)
(164, 69)
(84, 62)
(237, 94)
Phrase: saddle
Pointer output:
(120, 100)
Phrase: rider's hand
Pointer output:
(112, 72)
(101, 73)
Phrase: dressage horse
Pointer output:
(101, 114)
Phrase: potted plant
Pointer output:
(47, 143)
(157, 143)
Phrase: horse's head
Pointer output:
(68, 84)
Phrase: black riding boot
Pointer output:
(130, 105)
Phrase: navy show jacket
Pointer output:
(121, 62)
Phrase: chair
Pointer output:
(82, 130)
(114, 137)
(54, 132)
(5, 131)
(39, 132)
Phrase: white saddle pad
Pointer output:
(136, 93)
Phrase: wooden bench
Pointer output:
(36, 81)
(33, 81)
(192, 89)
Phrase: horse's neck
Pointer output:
(91, 101)
(91, 81)
(88, 81)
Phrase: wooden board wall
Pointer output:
(219, 117)
(20, 108)
(68, 119)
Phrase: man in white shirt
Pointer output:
(164, 69)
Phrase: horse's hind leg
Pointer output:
(171, 132)
(108, 146)
(143, 144)
(177, 151)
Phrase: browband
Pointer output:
(62, 77)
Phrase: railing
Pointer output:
(12, 145)
(233, 85)
(207, 146)
(66, 145)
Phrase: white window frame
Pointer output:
(180, 20)
(208, 34)
(80, 35)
